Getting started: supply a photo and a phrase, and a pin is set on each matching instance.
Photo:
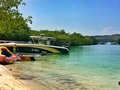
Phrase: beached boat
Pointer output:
(7, 57)
(37, 45)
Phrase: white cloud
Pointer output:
(109, 30)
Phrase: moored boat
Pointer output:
(7, 57)
(37, 45)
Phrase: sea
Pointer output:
(92, 67)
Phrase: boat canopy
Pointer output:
(42, 39)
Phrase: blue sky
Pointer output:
(88, 17)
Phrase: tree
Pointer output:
(12, 24)
(76, 39)
(118, 41)
(62, 31)
(63, 38)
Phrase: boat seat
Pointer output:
(5, 52)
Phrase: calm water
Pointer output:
(84, 68)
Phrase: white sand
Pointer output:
(8, 82)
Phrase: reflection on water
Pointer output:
(84, 68)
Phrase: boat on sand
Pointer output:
(6, 56)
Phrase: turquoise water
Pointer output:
(95, 67)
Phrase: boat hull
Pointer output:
(6, 56)
(7, 60)
(35, 48)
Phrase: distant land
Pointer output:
(107, 38)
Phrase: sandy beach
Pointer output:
(10, 79)
(10, 82)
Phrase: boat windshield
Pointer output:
(5, 52)
(42, 39)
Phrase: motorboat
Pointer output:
(37, 45)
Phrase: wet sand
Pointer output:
(27, 82)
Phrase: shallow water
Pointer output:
(95, 67)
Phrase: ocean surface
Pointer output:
(95, 67)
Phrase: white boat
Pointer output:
(38, 44)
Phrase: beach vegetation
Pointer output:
(118, 41)
(12, 23)
(63, 38)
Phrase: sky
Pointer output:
(88, 17)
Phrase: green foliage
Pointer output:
(107, 38)
(76, 39)
(90, 40)
(118, 41)
(12, 24)
(63, 38)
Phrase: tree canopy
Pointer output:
(63, 38)
(118, 41)
(12, 24)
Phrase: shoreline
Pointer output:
(12, 79)
(8, 81)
